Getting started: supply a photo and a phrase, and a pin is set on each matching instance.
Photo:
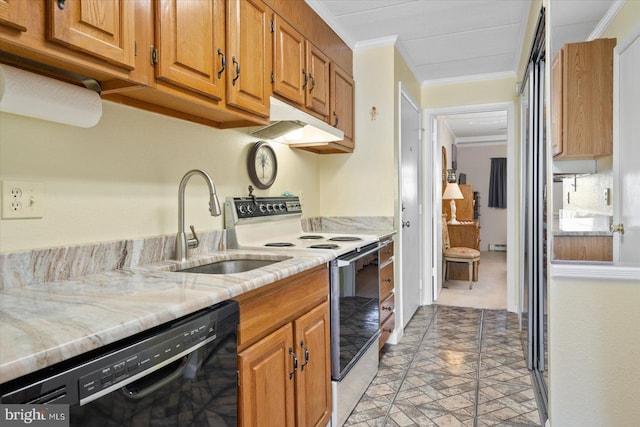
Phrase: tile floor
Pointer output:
(453, 367)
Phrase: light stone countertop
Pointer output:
(46, 323)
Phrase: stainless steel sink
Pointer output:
(231, 266)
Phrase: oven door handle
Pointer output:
(346, 262)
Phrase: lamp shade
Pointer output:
(452, 191)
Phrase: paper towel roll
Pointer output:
(33, 95)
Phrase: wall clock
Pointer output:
(262, 165)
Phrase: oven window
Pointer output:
(359, 308)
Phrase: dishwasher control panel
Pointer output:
(124, 366)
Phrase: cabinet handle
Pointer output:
(337, 120)
(306, 79)
(313, 83)
(388, 280)
(61, 4)
(295, 363)
(306, 355)
(224, 62)
(617, 228)
(387, 308)
(233, 59)
(387, 330)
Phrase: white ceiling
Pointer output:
(458, 40)
(439, 39)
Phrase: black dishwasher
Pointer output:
(182, 373)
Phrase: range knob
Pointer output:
(283, 207)
(242, 209)
(250, 209)
(269, 207)
(263, 208)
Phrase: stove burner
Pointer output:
(279, 244)
(345, 239)
(311, 236)
(325, 246)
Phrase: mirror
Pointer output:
(581, 135)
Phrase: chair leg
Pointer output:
(470, 275)
(444, 273)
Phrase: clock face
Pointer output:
(262, 165)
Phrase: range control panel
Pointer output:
(257, 207)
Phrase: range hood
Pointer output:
(568, 168)
(291, 125)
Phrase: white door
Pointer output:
(626, 151)
(410, 207)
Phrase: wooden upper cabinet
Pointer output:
(582, 119)
(317, 87)
(191, 45)
(289, 75)
(249, 56)
(104, 29)
(342, 109)
(13, 13)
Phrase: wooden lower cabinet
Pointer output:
(583, 248)
(266, 391)
(387, 293)
(283, 359)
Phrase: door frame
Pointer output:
(422, 249)
(432, 221)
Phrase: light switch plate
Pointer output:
(22, 199)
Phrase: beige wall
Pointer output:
(363, 183)
(469, 93)
(593, 345)
(119, 180)
(593, 352)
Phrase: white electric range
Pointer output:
(273, 223)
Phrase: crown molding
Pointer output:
(604, 23)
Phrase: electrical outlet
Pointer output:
(22, 199)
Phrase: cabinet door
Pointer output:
(13, 13)
(248, 56)
(104, 29)
(317, 97)
(342, 104)
(267, 375)
(289, 75)
(190, 43)
(313, 382)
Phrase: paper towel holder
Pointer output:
(51, 71)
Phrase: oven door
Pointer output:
(355, 307)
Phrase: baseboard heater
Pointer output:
(498, 247)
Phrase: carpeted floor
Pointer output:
(489, 292)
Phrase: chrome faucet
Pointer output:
(182, 243)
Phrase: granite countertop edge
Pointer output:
(46, 323)
(560, 233)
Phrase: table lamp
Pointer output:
(452, 192)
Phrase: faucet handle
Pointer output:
(194, 242)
